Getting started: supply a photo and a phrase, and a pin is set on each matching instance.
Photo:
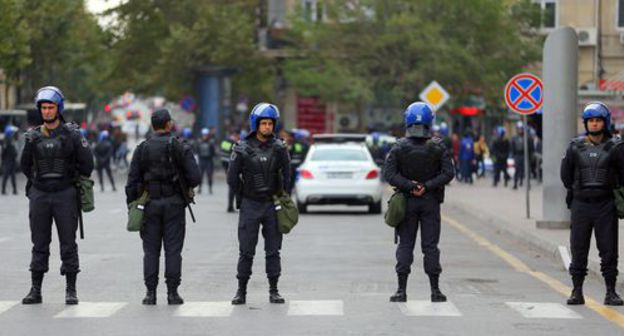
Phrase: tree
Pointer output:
(14, 47)
(159, 45)
(391, 49)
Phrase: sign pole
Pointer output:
(527, 173)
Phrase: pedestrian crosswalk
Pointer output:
(320, 308)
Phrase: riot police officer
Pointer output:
(500, 153)
(103, 154)
(158, 166)
(54, 155)
(9, 158)
(419, 166)
(206, 151)
(259, 169)
(298, 152)
(590, 170)
(225, 150)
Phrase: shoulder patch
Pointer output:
(84, 142)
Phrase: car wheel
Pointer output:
(302, 207)
(375, 208)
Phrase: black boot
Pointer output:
(150, 297)
(436, 294)
(34, 296)
(576, 298)
(173, 298)
(612, 298)
(71, 298)
(401, 293)
(241, 294)
(274, 296)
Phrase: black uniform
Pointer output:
(500, 152)
(206, 151)
(517, 152)
(51, 162)
(156, 164)
(590, 173)
(9, 164)
(428, 162)
(225, 149)
(298, 152)
(254, 172)
(103, 154)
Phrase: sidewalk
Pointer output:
(504, 209)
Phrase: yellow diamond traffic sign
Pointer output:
(434, 95)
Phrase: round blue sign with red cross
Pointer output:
(524, 93)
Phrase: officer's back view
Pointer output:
(156, 166)
(419, 166)
(259, 169)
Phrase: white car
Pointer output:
(339, 174)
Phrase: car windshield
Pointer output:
(338, 154)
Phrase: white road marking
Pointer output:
(205, 309)
(428, 308)
(316, 308)
(543, 310)
(91, 309)
(6, 305)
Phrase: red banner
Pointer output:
(311, 114)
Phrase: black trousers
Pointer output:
(423, 212)
(61, 207)
(100, 169)
(206, 167)
(8, 171)
(254, 214)
(500, 168)
(602, 219)
(230, 197)
(519, 174)
(165, 224)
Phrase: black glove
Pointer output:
(28, 185)
(569, 197)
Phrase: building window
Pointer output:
(549, 13)
(620, 14)
(313, 10)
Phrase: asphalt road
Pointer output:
(338, 272)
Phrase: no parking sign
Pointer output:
(524, 93)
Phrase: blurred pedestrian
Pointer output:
(500, 153)
(9, 158)
(466, 158)
(103, 152)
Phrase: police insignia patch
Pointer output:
(84, 142)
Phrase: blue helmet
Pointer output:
(263, 111)
(83, 132)
(9, 130)
(375, 136)
(50, 94)
(205, 131)
(597, 110)
(418, 118)
(500, 131)
(103, 135)
(187, 133)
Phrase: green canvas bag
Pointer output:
(619, 201)
(85, 187)
(397, 204)
(136, 211)
(286, 212)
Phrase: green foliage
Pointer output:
(394, 48)
(161, 44)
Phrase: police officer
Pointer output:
(419, 166)
(9, 159)
(225, 151)
(103, 154)
(517, 152)
(206, 150)
(298, 152)
(156, 167)
(500, 153)
(590, 169)
(258, 170)
(54, 155)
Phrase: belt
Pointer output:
(594, 200)
(161, 189)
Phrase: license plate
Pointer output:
(339, 175)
